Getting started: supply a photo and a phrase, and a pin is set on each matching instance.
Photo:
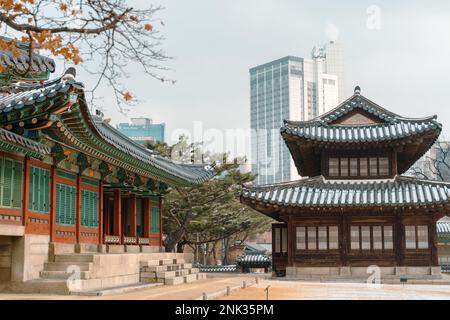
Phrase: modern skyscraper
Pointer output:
(142, 129)
(290, 88)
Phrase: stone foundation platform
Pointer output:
(364, 274)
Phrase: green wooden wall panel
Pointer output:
(39, 194)
(154, 219)
(65, 204)
(11, 172)
(89, 209)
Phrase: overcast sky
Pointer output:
(404, 65)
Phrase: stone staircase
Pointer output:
(169, 271)
(96, 273)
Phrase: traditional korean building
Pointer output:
(69, 181)
(354, 208)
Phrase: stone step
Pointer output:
(65, 266)
(186, 265)
(173, 281)
(190, 278)
(183, 272)
(201, 276)
(117, 290)
(194, 270)
(166, 274)
(44, 286)
(178, 261)
(166, 261)
(157, 268)
(149, 263)
(77, 257)
(64, 275)
(174, 267)
(147, 275)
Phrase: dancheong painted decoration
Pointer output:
(67, 173)
(354, 208)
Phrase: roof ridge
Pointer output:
(285, 183)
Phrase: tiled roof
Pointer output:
(190, 172)
(317, 192)
(228, 268)
(357, 101)
(254, 260)
(21, 63)
(27, 95)
(23, 142)
(391, 126)
(443, 227)
(361, 133)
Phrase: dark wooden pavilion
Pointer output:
(353, 208)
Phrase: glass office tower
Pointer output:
(290, 88)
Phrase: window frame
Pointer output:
(416, 237)
(371, 248)
(307, 228)
(359, 156)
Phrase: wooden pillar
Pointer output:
(124, 217)
(100, 212)
(52, 202)
(291, 235)
(106, 215)
(78, 209)
(160, 221)
(117, 214)
(146, 213)
(343, 236)
(433, 240)
(132, 211)
(26, 191)
(399, 239)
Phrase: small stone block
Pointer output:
(148, 275)
(165, 261)
(132, 249)
(190, 278)
(400, 271)
(435, 271)
(174, 281)
(165, 274)
(194, 270)
(201, 276)
(156, 268)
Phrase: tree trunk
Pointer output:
(180, 247)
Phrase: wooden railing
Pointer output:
(129, 240)
(143, 240)
(112, 239)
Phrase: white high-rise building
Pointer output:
(289, 88)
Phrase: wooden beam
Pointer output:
(146, 213)
(52, 203)
(117, 225)
(26, 191)
(78, 209)
(160, 221)
(132, 209)
(100, 212)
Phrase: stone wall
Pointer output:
(29, 253)
(5, 258)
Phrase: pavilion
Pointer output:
(353, 208)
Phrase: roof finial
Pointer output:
(357, 90)
(69, 74)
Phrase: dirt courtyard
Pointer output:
(297, 290)
(278, 290)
